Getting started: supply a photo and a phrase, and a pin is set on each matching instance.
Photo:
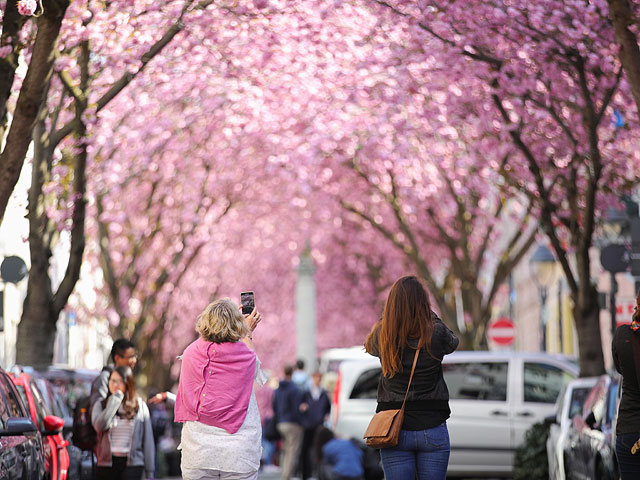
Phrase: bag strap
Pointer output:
(635, 342)
(413, 369)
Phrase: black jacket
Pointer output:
(629, 410)
(286, 402)
(318, 409)
(428, 388)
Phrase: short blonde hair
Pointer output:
(222, 322)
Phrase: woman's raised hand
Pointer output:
(253, 319)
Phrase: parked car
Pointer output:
(494, 398)
(55, 446)
(568, 405)
(591, 452)
(72, 384)
(21, 448)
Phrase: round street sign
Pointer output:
(502, 332)
(13, 269)
(615, 258)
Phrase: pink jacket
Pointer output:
(216, 380)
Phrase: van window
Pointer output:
(543, 382)
(367, 384)
(476, 381)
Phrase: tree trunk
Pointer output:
(37, 329)
(621, 17)
(12, 22)
(30, 99)
(586, 314)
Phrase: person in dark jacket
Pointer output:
(315, 408)
(628, 423)
(408, 324)
(286, 409)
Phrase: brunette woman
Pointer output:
(408, 324)
(628, 423)
(125, 448)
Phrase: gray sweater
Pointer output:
(142, 445)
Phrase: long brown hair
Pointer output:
(130, 400)
(407, 314)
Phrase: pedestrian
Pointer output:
(315, 408)
(215, 401)
(300, 376)
(286, 409)
(123, 353)
(625, 346)
(408, 324)
(338, 458)
(125, 449)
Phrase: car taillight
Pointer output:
(335, 407)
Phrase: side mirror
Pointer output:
(18, 426)
(590, 420)
(550, 419)
(52, 425)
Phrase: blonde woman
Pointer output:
(215, 400)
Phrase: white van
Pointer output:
(330, 361)
(494, 398)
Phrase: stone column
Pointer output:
(306, 311)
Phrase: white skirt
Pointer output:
(213, 448)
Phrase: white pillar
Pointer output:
(306, 311)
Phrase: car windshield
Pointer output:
(578, 396)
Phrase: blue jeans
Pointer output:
(425, 452)
(628, 464)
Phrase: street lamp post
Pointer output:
(542, 265)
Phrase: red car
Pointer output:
(56, 456)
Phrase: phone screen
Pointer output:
(248, 302)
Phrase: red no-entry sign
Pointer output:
(502, 331)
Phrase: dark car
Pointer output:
(50, 426)
(590, 453)
(21, 448)
(71, 384)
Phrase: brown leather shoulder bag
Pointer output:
(384, 428)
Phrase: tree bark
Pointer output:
(586, 314)
(12, 22)
(30, 99)
(44, 310)
(37, 328)
(621, 17)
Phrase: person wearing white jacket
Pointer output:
(125, 448)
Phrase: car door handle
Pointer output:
(499, 413)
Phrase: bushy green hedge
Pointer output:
(530, 461)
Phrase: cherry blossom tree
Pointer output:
(548, 79)
(85, 83)
(624, 16)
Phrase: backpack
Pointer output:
(84, 435)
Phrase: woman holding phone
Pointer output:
(221, 435)
(125, 448)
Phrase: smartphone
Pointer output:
(248, 302)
